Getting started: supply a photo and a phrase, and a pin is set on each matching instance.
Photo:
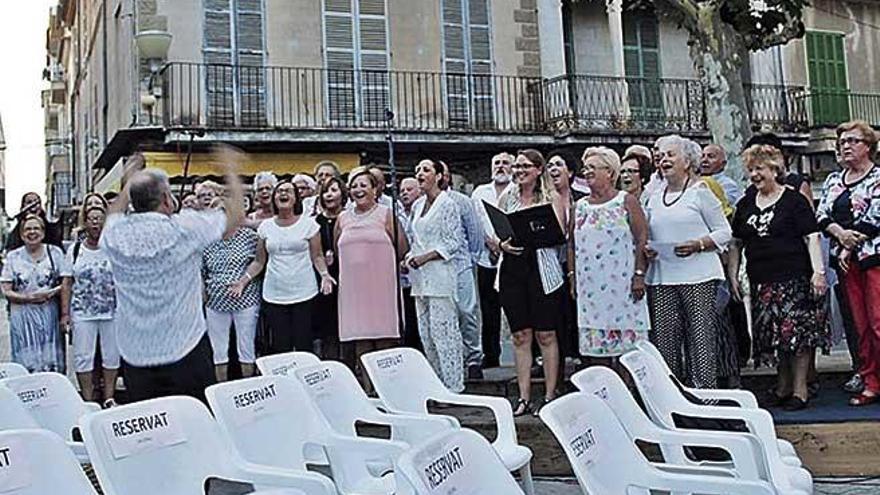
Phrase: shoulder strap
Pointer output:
(77, 246)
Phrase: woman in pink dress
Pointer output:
(367, 276)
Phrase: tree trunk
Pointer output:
(718, 57)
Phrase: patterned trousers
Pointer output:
(441, 339)
(684, 327)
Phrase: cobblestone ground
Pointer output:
(832, 487)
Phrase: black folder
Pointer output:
(535, 227)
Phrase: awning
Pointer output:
(277, 163)
(200, 165)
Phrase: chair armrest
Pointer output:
(500, 408)
(377, 455)
(744, 448)
(282, 491)
(699, 482)
(79, 450)
(92, 407)
(695, 470)
(377, 403)
(266, 477)
(758, 421)
(742, 397)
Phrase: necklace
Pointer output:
(680, 194)
(360, 214)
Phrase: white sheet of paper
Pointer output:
(252, 403)
(152, 429)
(33, 394)
(15, 466)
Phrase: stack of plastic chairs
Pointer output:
(38, 462)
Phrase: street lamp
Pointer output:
(152, 45)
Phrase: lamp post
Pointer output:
(153, 46)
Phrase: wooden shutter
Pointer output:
(826, 65)
(356, 45)
(641, 59)
(467, 62)
(233, 51)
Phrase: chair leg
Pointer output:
(525, 474)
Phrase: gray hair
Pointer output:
(265, 177)
(147, 190)
(693, 153)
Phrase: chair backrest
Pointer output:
(403, 378)
(605, 384)
(13, 415)
(284, 363)
(51, 400)
(268, 419)
(458, 462)
(652, 351)
(38, 462)
(602, 457)
(335, 391)
(11, 370)
(169, 445)
(656, 388)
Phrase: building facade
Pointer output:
(294, 82)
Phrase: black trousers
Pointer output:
(411, 336)
(189, 376)
(490, 307)
(290, 326)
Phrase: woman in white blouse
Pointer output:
(435, 223)
(687, 232)
(289, 247)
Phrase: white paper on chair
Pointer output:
(446, 471)
(390, 365)
(253, 403)
(15, 467)
(149, 430)
(580, 435)
(33, 394)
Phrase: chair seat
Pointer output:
(375, 486)
(513, 456)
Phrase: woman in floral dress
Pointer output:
(609, 232)
(32, 283)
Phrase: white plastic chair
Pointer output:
(51, 400)
(336, 392)
(173, 446)
(742, 397)
(663, 402)
(11, 370)
(459, 462)
(37, 462)
(406, 382)
(606, 462)
(271, 421)
(746, 451)
(283, 364)
(14, 416)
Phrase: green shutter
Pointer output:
(826, 68)
(641, 60)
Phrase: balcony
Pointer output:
(287, 98)
(251, 98)
(828, 109)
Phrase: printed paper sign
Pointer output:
(33, 394)
(317, 380)
(391, 364)
(580, 435)
(283, 369)
(15, 467)
(642, 372)
(251, 404)
(444, 470)
(144, 432)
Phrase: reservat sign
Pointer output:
(144, 432)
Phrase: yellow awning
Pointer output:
(277, 163)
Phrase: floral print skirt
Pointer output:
(787, 318)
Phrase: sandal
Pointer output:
(522, 408)
(863, 399)
(541, 405)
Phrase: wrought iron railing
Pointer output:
(217, 96)
(250, 97)
(830, 108)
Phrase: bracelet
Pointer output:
(702, 246)
(248, 275)
(324, 274)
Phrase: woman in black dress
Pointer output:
(332, 196)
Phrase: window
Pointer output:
(235, 78)
(641, 58)
(356, 58)
(61, 188)
(467, 62)
(826, 65)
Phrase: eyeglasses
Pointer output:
(629, 171)
(523, 166)
(851, 140)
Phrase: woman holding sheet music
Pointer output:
(531, 280)
(687, 230)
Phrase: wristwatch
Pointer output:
(639, 273)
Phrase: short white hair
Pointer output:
(309, 181)
(265, 177)
(693, 153)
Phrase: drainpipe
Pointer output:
(105, 110)
(133, 67)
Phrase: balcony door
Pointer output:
(234, 54)
(467, 64)
(641, 57)
(356, 58)
(829, 89)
